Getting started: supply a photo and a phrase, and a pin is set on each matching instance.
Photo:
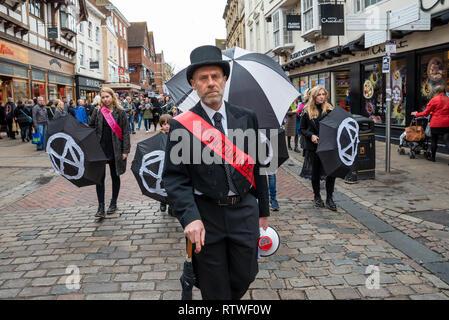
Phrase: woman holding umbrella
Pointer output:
(316, 109)
(111, 124)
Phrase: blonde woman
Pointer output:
(111, 124)
(315, 110)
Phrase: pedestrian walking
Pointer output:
(290, 127)
(156, 112)
(111, 125)
(219, 208)
(139, 111)
(10, 108)
(2, 119)
(164, 122)
(315, 111)
(147, 110)
(131, 113)
(60, 110)
(438, 107)
(80, 112)
(40, 122)
(23, 114)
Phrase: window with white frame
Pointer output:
(307, 15)
(126, 58)
(81, 28)
(91, 53)
(89, 30)
(276, 29)
(81, 54)
(97, 34)
(361, 5)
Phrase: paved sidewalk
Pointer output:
(47, 225)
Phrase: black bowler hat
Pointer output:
(207, 56)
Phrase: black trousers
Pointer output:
(25, 130)
(436, 134)
(227, 263)
(11, 133)
(115, 183)
(317, 168)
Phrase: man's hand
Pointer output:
(196, 233)
(315, 139)
(414, 113)
(263, 223)
(124, 156)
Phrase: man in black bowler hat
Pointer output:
(220, 208)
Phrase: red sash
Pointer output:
(107, 114)
(219, 143)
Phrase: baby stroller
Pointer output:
(416, 147)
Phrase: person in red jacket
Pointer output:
(439, 123)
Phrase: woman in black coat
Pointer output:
(24, 118)
(115, 144)
(316, 109)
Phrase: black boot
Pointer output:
(289, 143)
(296, 144)
(163, 207)
(170, 212)
(318, 202)
(112, 207)
(100, 212)
(330, 204)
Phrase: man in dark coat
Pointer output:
(219, 208)
(10, 109)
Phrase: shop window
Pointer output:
(434, 71)
(52, 92)
(20, 90)
(69, 93)
(39, 90)
(303, 84)
(313, 81)
(398, 91)
(324, 80)
(342, 85)
(373, 105)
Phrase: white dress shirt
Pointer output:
(210, 113)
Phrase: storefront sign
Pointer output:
(331, 63)
(293, 22)
(13, 52)
(121, 71)
(303, 52)
(332, 19)
(56, 62)
(52, 33)
(94, 65)
(90, 83)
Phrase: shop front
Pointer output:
(88, 88)
(27, 74)
(356, 82)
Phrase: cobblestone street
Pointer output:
(47, 225)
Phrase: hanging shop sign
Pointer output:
(332, 19)
(94, 64)
(293, 22)
(52, 33)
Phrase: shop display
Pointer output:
(435, 70)
(368, 90)
(369, 107)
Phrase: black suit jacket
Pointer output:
(210, 179)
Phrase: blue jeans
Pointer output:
(42, 128)
(272, 189)
(132, 127)
(140, 120)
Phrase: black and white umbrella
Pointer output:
(338, 144)
(148, 165)
(75, 152)
(256, 82)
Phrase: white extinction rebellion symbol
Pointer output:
(72, 148)
(348, 153)
(149, 159)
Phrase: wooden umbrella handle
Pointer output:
(189, 249)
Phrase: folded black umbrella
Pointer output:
(148, 165)
(75, 152)
(188, 278)
(338, 144)
(276, 148)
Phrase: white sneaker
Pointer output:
(147, 131)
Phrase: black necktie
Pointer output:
(227, 167)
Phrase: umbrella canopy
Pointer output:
(75, 152)
(338, 144)
(148, 166)
(256, 82)
(188, 278)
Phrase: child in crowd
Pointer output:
(164, 122)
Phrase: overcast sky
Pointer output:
(178, 26)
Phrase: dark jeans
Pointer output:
(316, 171)
(11, 133)
(435, 136)
(115, 183)
(147, 123)
(25, 129)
